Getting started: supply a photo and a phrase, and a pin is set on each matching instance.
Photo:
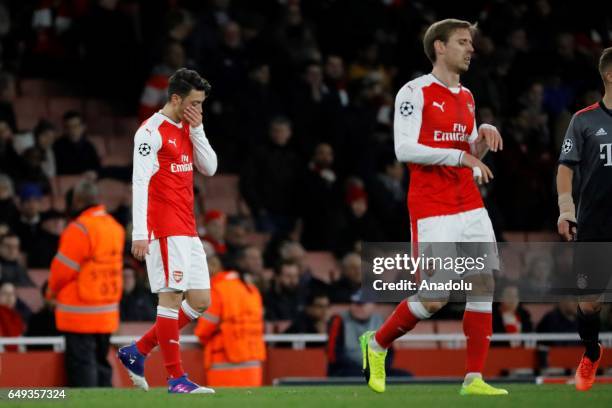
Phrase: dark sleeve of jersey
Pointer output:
(571, 148)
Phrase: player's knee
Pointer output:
(432, 307)
(201, 304)
(589, 308)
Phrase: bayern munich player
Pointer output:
(166, 147)
(436, 134)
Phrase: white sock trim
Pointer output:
(167, 312)
(469, 377)
(189, 311)
(481, 307)
(417, 308)
(375, 346)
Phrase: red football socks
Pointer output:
(166, 326)
(149, 341)
(478, 328)
(402, 320)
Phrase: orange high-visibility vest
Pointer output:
(231, 331)
(86, 274)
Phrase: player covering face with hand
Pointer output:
(166, 147)
(435, 132)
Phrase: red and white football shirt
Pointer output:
(433, 126)
(162, 182)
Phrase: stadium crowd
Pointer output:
(301, 110)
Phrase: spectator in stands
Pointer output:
(313, 319)
(215, 223)
(388, 199)
(155, 91)
(509, 316)
(45, 134)
(11, 322)
(281, 300)
(257, 105)
(335, 80)
(44, 245)
(74, 154)
(235, 239)
(562, 319)
(10, 162)
(249, 261)
(344, 357)
(11, 267)
(294, 251)
(8, 208)
(137, 305)
(269, 180)
(42, 323)
(26, 227)
(350, 279)
(31, 170)
(320, 202)
(358, 225)
(7, 97)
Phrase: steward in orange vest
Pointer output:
(231, 331)
(86, 285)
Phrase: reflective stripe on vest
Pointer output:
(81, 227)
(67, 261)
(235, 366)
(211, 318)
(112, 307)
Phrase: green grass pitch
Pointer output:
(522, 395)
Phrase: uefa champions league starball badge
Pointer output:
(406, 108)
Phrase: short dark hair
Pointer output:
(314, 295)
(605, 61)
(285, 262)
(184, 80)
(442, 30)
(71, 114)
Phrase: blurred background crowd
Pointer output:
(301, 116)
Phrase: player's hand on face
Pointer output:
(140, 248)
(193, 116)
(566, 230)
(485, 174)
(491, 136)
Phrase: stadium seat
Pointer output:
(281, 325)
(450, 327)
(257, 239)
(40, 87)
(537, 311)
(29, 110)
(31, 297)
(133, 328)
(126, 127)
(543, 236)
(384, 309)
(515, 236)
(336, 309)
(64, 183)
(113, 193)
(222, 193)
(321, 264)
(101, 124)
(60, 105)
(119, 152)
(38, 276)
(99, 143)
(424, 327)
(95, 108)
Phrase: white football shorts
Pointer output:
(177, 264)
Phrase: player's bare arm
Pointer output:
(567, 211)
